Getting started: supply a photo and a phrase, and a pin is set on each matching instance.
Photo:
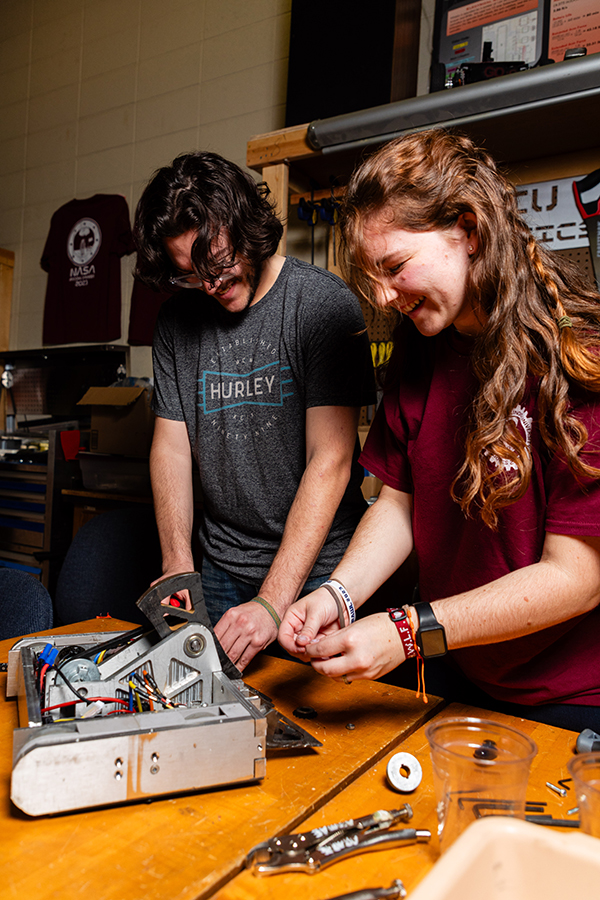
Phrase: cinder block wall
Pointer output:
(97, 94)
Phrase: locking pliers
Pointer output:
(310, 851)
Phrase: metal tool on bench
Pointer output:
(587, 741)
(113, 718)
(396, 891)
(310, 851)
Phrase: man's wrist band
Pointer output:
(337, 589)
(401, 620)
(265, 603)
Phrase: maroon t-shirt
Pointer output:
(145, 306)
(416, 445)
(82, 256)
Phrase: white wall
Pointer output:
(425, 45)
(97, 94)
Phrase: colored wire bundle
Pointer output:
(148, 690)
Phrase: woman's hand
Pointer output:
(366, 650)
(308, 619)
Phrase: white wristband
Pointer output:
(336, 585)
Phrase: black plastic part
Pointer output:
(305, 712)
(152, 607)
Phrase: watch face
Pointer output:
(433, 643)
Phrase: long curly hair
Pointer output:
(541, 318)
(207, 194)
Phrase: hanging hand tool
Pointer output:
(311, 851)
(330, 213)
(308, 211)
(381, 352)
(384, 351)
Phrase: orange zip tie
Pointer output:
(420, 662)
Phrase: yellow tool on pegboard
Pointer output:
(381, 352)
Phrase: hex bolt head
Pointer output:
(194, 645)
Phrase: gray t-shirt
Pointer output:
(242, 382)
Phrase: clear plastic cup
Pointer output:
(480, 768)
(585, 772)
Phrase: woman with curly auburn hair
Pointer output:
(487, 442)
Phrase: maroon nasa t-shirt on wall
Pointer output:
(82, 256)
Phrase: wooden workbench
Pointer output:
(187, 847)
(379, 868)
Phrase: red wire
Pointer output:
(43, 671)
(87, 700)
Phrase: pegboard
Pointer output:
(582, 257)
(29, 390)
(380, 325)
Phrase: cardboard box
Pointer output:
(122, 420)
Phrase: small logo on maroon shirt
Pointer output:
(84, 241)
(83, 244)
(522, 423)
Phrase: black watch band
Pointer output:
(431, 637)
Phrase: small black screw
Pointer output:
(488, 750)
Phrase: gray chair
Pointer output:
(25, 604)
(112, 560)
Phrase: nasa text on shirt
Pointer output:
(83, 243)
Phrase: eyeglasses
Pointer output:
(188, 281)
(192, 281)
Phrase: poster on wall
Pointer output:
(490, 31)
(469, 33)
(550, 210)
(573, 24)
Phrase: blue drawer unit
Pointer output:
(35, 519)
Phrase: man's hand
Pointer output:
(245, 630)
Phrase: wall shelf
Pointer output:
(542, 112)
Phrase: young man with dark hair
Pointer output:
(261, 365)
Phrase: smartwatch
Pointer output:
(431, 637)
